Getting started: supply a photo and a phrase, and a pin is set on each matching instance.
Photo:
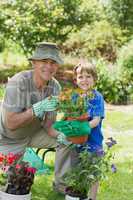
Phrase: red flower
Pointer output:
(19, 175)
(18, 166)
(2, 157)
(10, 158)
(31, 170)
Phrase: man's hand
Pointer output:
(73, 128)
(61, 138)
(46, 105)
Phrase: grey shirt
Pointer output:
(20, 95)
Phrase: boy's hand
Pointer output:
(46, 105)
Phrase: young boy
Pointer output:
(85, 79)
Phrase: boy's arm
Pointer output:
(94, 122)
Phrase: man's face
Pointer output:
(45, 69)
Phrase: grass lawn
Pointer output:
(120, 121)
(119, 186)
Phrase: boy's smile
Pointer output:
(85, 81)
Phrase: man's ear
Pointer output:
(75, 81)
(33, 63)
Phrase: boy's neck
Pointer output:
(88, 91)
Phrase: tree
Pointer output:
(32, 21)
(121, 12)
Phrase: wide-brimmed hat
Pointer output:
(46, 50)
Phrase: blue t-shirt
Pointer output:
(95, 108)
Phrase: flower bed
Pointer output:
(18, 174)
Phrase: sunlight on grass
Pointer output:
(119, 185)
(42, 189)
(119, 120)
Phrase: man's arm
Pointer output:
(16, 120)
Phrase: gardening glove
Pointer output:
(73, 128)
(46, 105)
(61, 138)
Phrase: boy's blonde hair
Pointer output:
(86, 67)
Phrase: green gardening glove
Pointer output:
(85, 128)
(61, 138)
(46, 105)
(73, 128)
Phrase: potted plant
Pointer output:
(73, 105)
(19, 177)
(92, 167)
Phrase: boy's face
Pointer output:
(84, 80)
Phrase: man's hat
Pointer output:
(46, 50)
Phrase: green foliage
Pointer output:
(125, 58)
(3, 179)
(121, 12)
(2, 30)
(125, 65)
(91, 167)
(9, 72)
(106, 39)
(2, 90)
(2, 42)
(32, 21)
(116, 89)
(72, 102)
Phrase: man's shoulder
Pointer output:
(27, 74)
(21, 79)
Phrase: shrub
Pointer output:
(92, 167)
(98, 39)
(125, 58)
(19, 174)
(125, 65)
(9, 72)
(115, 89)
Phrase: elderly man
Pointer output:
(29, 109)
